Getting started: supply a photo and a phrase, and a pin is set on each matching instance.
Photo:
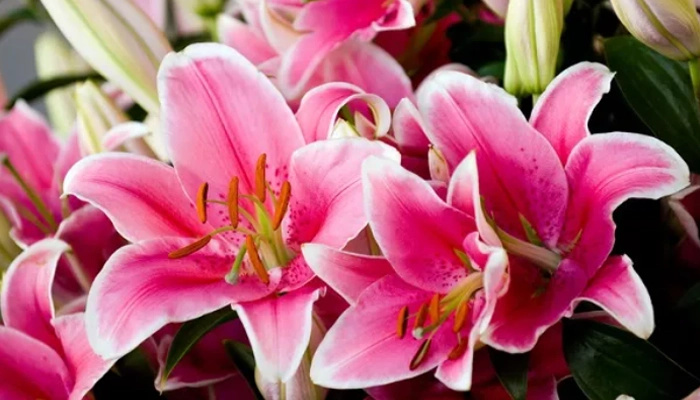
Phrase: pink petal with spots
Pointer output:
(562, 112)
(279, 330)
(604, 171)
(326, 203)
(363, 348)
(211, 99)
(141, 196)
(26, 303)
(415, 229)
(347, 273)
(141, 289)
(520, 173)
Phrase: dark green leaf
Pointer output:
(659, 90)
(191, 332)
(243, 357)
(443, 9)
(606, 362)
(40, 88)
(14, 17)
(496, 69)
(511, 370)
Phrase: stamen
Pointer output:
(190, 249)
(435, 309)
(232, 277)
(202, 202)
(401, 322)
(282, 205)
(254, 258)
(420, 317)
(460, 316)
(260, 180)
(459, 350)
(232, 200)
(420, 355)
(31, 194)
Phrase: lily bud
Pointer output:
(97, 114)
(533, 32)
(300, 385)
(118, 39)
(54, 57)
(671, 27)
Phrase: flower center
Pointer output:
(264, 246)
(433, 314)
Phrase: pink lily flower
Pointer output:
(275, 38)
(43, 356)
(223, 226)
(422, 307)
(686, 205)
(31, 177)
(549, 189)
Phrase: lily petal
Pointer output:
(141, 196)
(459, 112)
(320, 107)
(140, 290)
(604, 171)
(562, 112)
(244, 39)
(362, 349)
(85, 366)
(279, 330)
(26, 301)
(326, 203)
(409, 132)
(212, 99)
(30, 369)
(407, 217)
(347, 273)
(618, 290)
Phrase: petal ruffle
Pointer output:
(140, 290)
(562, 112)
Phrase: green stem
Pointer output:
(32, 194)
(694, 66)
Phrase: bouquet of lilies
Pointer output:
(353, 199)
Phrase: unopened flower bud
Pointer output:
(671, 27)
(54, 57)
(533, 32)
(118, 39)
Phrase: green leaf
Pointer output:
(660, 92)
(606, 362)
(511, 370)
(40, 88)
(242, 356)
(190, 333)
(443, 9)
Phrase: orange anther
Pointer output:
(421, 316)
(459, 350)
(282, 205)
(232, 200)
(434, 309)
(255, 260)
(460, 316)
(401, 322)
(420, 355)
(260, 181)
(202, 202)
(190, 249)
